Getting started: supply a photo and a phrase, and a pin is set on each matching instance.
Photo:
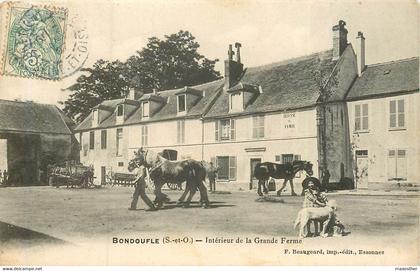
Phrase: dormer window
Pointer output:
(181, 103)
(120, 110)
(236, 102)
(95, 117)
(146, 109)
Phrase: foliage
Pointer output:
(163, 64)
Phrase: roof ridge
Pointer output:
(62, 118)
(26, 102)
(393, 61)
(290, 60)
(180, 88)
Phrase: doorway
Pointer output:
(362, 169)
(253, 181)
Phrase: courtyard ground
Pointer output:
(33, 216)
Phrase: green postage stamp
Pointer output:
(35, 37)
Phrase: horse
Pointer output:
(162, 170)
(286, 171)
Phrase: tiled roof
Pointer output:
(167, 111)
(33, 118)
(386, 79)
(285, 85)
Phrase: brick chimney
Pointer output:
(233, 69)
(134, 94)
(360, 53)
(339, 39)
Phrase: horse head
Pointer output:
(303, 165)
(308, 168)
(138, 160)
(132, 164)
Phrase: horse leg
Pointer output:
(292, 188)
(282, 187)
(203, 195)
(192, 192)
(265, 187)
(158, 195)
(259, 188)
(184, 195)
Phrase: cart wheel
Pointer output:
(172, 186)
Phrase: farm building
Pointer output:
(32, 136)
(294, 109)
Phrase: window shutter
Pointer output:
(401, 118)
(262, 120)
(178, 131)
(365, 114)
(232, 129)
(232, 167)
(392, 114)
(183, 132)
(357, 125)
(216, 130)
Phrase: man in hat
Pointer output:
(141, 173)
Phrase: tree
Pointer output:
(105, 80)
(173, 62)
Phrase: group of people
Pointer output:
(140, 188)
(3, 177)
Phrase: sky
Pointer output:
(269, 31)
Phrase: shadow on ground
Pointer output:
(9, 232)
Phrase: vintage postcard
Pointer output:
(232, 132)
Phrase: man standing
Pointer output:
(325, 179)
(140, 189)
(211, 174)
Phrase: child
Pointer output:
(313, 198)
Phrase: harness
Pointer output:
(158, 163)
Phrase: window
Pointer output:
(180, 131)
(258, 127)
(95, 118)
(144, 135)
(103, 139)
(397, 165)
(287, 158)
(181, 103)
(92, 140)
(119, 141)
(396, 114)
(80, 141)
(146, 109)
(361, 117)
(236, 102)
(120, 110)
(120, 164)
(225, 130)
(226, 167)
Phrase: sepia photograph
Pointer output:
(209, 133)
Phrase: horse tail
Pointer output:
(297, 221)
